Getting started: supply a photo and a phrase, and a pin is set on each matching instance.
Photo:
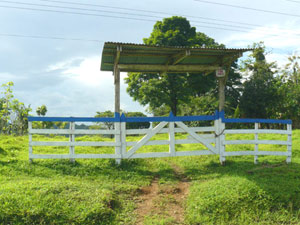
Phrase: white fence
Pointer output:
(212, 138)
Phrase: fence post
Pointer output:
(222, 140)
(72, 139)
(289, 147)
(123, 139)
(30, 140)
(220, 136)
(172, 139)
(217, 144)
(256, 144)
(118, 141)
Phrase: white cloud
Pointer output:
(82, 89)
(88, 73)
(274, 36)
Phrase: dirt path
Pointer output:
(163, 203)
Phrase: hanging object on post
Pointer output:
(220, 72)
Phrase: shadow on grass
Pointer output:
(140, 170)
(2, 151)
(279, 180)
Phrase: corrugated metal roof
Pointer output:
(149, 58)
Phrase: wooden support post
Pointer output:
(30, 141)
(221, 93)
(289, 147)
(118, 149)
(117, 79)
(256, 145)
(117, 90)
(72, 139)
(172, 139)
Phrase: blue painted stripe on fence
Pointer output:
(256, 121)
(73, 119)
(170, 118)
(123, 119)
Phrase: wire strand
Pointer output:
(248, 8)
(50, 37)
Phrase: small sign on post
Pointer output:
(220, 72)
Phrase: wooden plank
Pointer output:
(138, 131)
(77, 143)
(205, 136)
(166, 68)
(97, 156)
(194, 153)
(76, 156)
(197, 137)
(260, 131)
(243, 153)
(256, 145)
(172, 150)
(123, 139)
(222, 139)
(151, 155)
(154, 142)
(118, 148)
(239, 153)
(265, 142)
(49, 156)
(180, 56)
(273, 153)
(145, 139)
(66, 131)
(197, 129)
(166, 130)
(30, 141)
(192, 141)
(166, 142)
(289, 147)
(72, 139)
(217, 137)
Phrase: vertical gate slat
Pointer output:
(256, 144)
(172, 150)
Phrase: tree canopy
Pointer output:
(171, 89)
(260, 97)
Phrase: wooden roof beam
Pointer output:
(166, 68)
(179, 57)
(117, 57)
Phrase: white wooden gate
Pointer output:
(212, 139)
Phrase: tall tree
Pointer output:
(170, 90)
(260, 97)
(41, 110)
(290, 90)
(13, 113)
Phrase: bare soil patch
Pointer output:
(164, 202)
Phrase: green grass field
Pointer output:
(100, 192)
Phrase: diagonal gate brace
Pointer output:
(197, 137)
(145, 139)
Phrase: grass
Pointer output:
(100, 192)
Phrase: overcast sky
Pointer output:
(65, 74)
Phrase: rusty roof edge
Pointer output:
(175, 47)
